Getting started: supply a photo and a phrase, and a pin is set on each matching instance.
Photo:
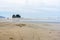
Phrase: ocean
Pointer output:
(30, 21)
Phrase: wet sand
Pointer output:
(28, 31)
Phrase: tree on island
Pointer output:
(13, 16)
(18, 16)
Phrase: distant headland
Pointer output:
(2, 17)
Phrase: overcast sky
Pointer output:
(30, 8)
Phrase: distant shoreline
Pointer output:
(30, 21)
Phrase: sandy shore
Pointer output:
(27, 31)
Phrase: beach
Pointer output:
(29, 31)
